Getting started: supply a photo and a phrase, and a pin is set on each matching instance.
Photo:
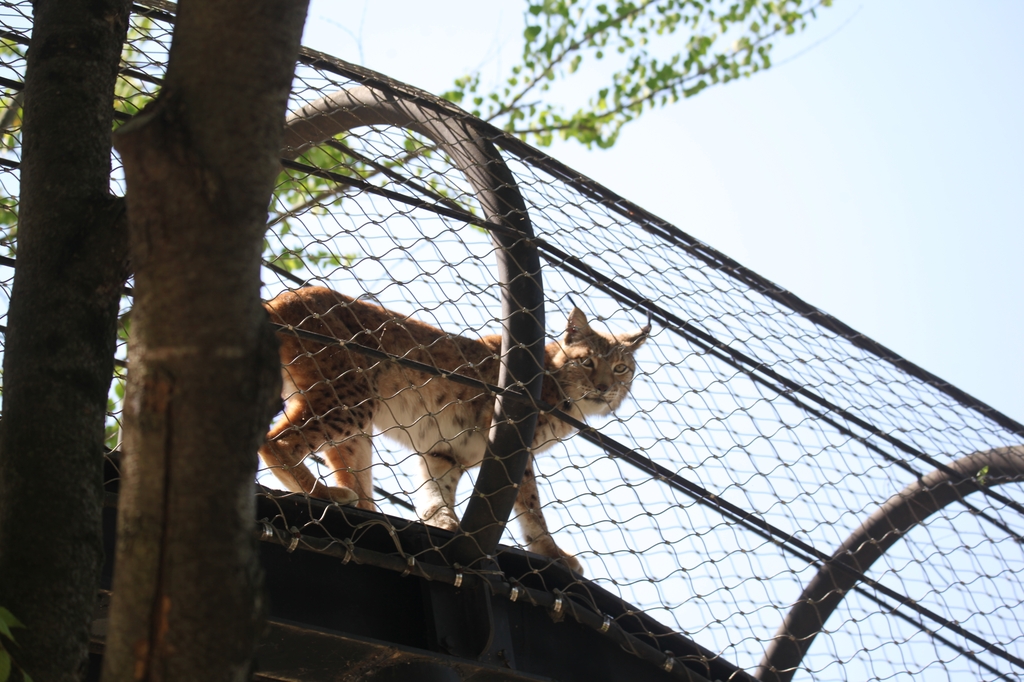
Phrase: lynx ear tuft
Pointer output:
(577, 327)
(634, 340)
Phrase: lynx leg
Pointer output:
(350, 463)
(295, 435)
(435, 499)
(535, 528)
(349, 451)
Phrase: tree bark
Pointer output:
(200, 164)
(59, 346)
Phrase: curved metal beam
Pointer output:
(886, 526)
(522, 299)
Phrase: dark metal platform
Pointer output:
(332, 619)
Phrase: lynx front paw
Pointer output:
(570, 562)
(545, 546)
(341, 495)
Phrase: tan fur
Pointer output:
(335, 397)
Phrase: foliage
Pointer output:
(112, 429)
(10, 145)
(298, 192)
(132, 91)
(722, 40)
(7, 662)
(135, 88)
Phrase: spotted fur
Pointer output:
(334, 398)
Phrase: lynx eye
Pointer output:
(587, 362)
(620, 368)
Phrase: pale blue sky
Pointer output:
(878, 174)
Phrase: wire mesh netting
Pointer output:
(757, 436)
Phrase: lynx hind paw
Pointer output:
(441, 517)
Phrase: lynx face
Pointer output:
(593, 369)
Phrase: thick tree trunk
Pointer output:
(59, 350)
(200, 164)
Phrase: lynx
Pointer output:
(335, 397)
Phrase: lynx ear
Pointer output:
(577, 328)
(634, 340)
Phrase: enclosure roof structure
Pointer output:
(778, 497)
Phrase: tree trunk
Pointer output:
(200, 164)
(59, 348)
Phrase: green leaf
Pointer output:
(5, 665)
(531, 33)
(8, 617)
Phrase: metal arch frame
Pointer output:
(886, 526)
(519, 275)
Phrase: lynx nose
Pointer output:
(602, 388)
